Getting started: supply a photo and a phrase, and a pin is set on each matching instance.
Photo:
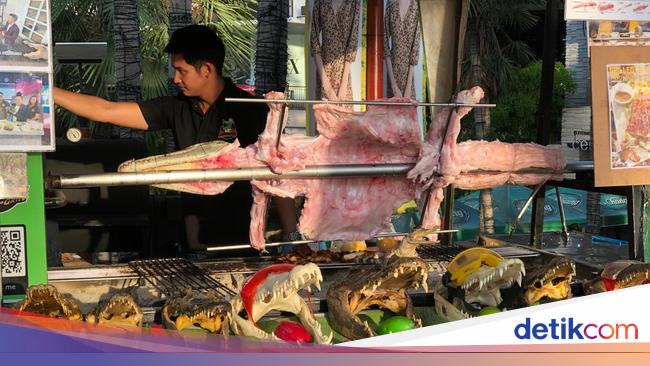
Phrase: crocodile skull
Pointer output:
(382, 285)
(619, 274)
(278, 291)
(475, 278)
(206, 310)
(551, 281)
(46, 300)
(119, 310)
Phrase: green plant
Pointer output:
(514, 118)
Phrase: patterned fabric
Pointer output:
(403, 32)
(339, 36)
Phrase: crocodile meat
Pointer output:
(46, 300)
(208, 311)
(356, 208)
(383, 285)
(119, 309)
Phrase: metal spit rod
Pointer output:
(297, 242)
(358, 102)
(260, 173)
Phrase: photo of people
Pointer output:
(24, 110)
(334, 43)
(24, 33)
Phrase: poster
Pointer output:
(621, 115)
(26, 121)
(607, 10)
(618, 33)
(629, 111)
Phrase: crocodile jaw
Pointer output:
(120, 310)
(46, 300)
(280, 292)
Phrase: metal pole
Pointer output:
(260, 173)
(360, 102)
(545, 110)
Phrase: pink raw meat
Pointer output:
(358, 208)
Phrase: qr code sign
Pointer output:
(12, 243)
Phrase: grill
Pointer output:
(173, 275)
(441, 253)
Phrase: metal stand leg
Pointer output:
(560, 205)
(524, 208)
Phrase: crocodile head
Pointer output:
(381, 285)
(619, 274)
(277, 288)
(118, 310)
(208, 311)
(46, 300)
(551, 281)
(475, 279)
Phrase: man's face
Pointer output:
(192, 82)
(11, 20)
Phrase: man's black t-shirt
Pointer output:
(190, 126)
(229, 212)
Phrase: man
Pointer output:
(19, 110)
(198, 115)
(10, 30)
(4, 107)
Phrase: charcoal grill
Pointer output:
(171, 276)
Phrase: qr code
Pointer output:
(12, 243)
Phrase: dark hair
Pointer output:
(197, 44)
(14, 16)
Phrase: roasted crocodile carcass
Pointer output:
(46, 300)
(381, 285)
(475, 279)
(208, 311)
(619, 274)
(119, 309)
(276, 288)
(356, 208)
(551, 281)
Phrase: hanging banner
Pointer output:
(335, 50)
(403, 51)
(607, 10)
(621, 106)
(26, 118)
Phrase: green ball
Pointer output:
(395, 324)
(489, 310)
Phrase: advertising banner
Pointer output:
(607, 10)
(620, 84)
(26, 113)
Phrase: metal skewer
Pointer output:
(263, 173)
(298, 242)
(358, 102)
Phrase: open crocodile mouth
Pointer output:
(619, 274)
(46, 300)
(208, 311)
(475, 279)
(551, 281)
(280, 291)
(121, 309)
(378, 286)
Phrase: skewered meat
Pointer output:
(358, 208)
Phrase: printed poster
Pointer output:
(620, 88)
(26, 121)
(607, 10)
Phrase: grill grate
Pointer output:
(173, 275)
(439, 252)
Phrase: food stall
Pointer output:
(357, 286)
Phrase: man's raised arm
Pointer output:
(123, 114)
